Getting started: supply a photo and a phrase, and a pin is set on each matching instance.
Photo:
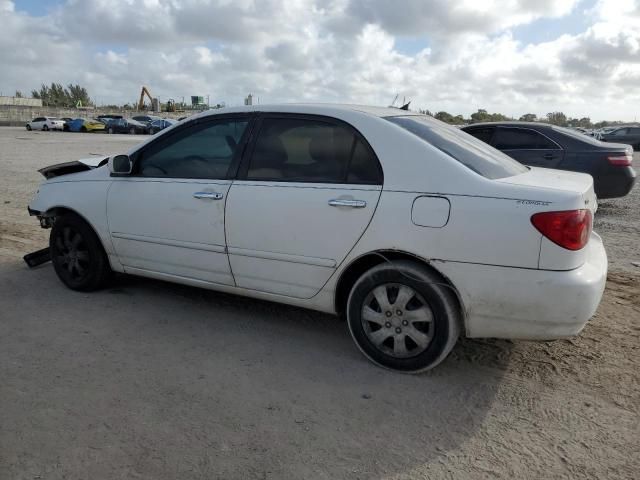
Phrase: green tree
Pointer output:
(557, 118)
(444, 117)
(18, 94)
(528, 117)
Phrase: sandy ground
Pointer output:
(158, 381)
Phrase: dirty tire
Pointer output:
(432, 315)
(77, 254)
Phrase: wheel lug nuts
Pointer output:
(388, 314)
(405, 323)
(399, 313)
(398, 330)
(388, 324)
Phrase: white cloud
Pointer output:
(335, 50)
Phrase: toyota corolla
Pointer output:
(417, 233)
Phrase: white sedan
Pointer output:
(415, 231)
(45, 123)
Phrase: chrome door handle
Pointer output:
(208, 195)
(341, 202)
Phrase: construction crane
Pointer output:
(145, 91)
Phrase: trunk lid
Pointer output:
(558, 180)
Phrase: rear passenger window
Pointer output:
(305, 150)
(485, 134)
(521, 139)
(622, 131)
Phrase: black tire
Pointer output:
(83, 129)
(28, 128)
(152, 131)
(77, 254)
(432, 316)
(45, 128)
(132, 131)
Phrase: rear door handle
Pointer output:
(208, 195)
(341, 202)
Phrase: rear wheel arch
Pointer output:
(358, 267)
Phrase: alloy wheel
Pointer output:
(397, 320)
(72, 253)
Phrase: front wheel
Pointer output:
(132, 131)
(45, 128)
(77, 254)
(403, 316)
(110, 130)
(28, 128)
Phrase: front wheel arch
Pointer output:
(54, 212)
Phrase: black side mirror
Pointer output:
(120, 165)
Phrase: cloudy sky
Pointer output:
(510, 56)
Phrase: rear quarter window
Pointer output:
(466, 149)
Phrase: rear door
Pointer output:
(305, 195)
(528, 146)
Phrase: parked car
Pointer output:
(108, 117)
(626, 135)
(161, 124)
(146, 119)
(45, 123)
(126, 125)
(548, 146)
(413, 230)
(84, 125)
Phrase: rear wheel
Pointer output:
(403, 316)
(110, 130)
(83, 129)
(132, 131)
(45, 128)
(77, 254)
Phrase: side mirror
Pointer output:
(120, 165)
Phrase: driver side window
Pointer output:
(199, 151)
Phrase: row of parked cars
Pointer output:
(141, 124)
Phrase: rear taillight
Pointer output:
(621, 160)
(570, 229)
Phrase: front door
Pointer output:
(306, 194)
(168, 216)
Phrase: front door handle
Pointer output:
(342, 202)
(548, 156)
(208, 195)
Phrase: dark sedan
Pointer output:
(548, 146)
(627, 135)
(124, 125)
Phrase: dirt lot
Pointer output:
(152, 380)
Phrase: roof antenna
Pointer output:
(406, 106)
(395, 100)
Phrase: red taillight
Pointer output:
(620, 160)
(570, 229)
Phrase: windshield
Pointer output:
(466, 149)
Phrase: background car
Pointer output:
(146, 119)
(84, 125)
(413, 230)
(45, 123)
(548, 146)
(125, 125)
(161, 124)
(626, 135)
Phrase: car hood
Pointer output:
(76, 166)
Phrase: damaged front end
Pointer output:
(76, 166)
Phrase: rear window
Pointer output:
(466, 149)
(577, 135)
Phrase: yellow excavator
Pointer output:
(145, 91)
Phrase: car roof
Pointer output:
(328, 109)
(513, 123)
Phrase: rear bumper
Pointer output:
(617, 184)
(530, 304)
